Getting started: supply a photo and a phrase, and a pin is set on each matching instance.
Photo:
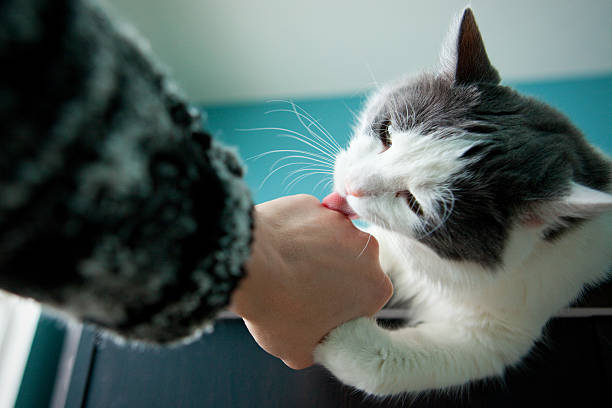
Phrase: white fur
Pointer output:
(473, 328)
(474, 322)
(428, 160)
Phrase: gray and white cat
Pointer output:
(492, 213)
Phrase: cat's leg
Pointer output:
(429, 356)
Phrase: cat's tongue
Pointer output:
(336, 202)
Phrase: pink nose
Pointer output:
(336, 202)
(355, 193)
(352, 192)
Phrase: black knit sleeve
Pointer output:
(115, 206)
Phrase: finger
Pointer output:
(298, 364)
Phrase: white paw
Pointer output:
(355, 352)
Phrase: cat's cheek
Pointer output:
(355, 204)
(363, 208)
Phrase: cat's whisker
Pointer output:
(315, 161)
(323, 144)
(448, 206)
(371, 72)
(275, 170)
(330, 182)
(325, 163)
(448, 203)
(297, 136)
(307, 168)
(302, 112)
(317, 124)
(320, 141)
(381, 222)
(302, 177)
(306, 141)
(352, 112)
(260, 155)
(333, 145)
(327, 179)
(366, 246)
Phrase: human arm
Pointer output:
(115, 206)
(310, 270)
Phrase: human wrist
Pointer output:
(251, 298)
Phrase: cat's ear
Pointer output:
(580, 202)
(464, 57)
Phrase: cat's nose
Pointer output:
(355, 192)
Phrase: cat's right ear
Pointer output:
(464, 58)
(580, 202)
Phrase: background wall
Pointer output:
(243, 50)
(235, 56)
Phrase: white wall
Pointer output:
(236, 50)
(18, 321)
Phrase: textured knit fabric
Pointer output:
(115, 205)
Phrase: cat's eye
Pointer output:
(413, 204)
(384, 135)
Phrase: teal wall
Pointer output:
(587, 101)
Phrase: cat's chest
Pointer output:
(429, 288)
(408, 266)
(411, 266)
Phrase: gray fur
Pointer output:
(527, 152)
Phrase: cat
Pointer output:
(491, 212)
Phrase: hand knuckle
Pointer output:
(307, 198)
(386, 289)
(374, 245)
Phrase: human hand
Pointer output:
(310, 270)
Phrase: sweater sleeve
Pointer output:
(115, 205)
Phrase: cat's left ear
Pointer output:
(581, 202)
(464, 58)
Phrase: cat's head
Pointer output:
(457, 161)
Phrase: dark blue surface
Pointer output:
(226, 369)
(223, 369)
(587, 101)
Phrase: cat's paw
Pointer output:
(355, 352)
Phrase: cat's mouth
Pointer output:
(336, 202)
